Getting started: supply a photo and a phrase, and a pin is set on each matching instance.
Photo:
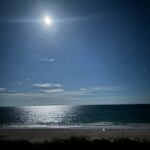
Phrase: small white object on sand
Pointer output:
(103, 129)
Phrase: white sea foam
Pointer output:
(98, 125)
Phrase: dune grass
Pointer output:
(76, 143)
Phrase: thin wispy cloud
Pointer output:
(57, 85)
(46, 59)
(51, 87)
(82, 89)
(101, 89)
(55, 93)
(43, 85)
(53, 90)
(4, 90)
(62, 98)
(47, 85)
(107, 88)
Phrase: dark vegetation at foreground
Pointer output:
(77, 143)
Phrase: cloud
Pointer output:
(43, 85)
(55, 94)
(47, 85)
(82, 89)
(46, 59)
(4, 90)
(89, 91)
(106, 88)
(101, 89)
(57, 85)
(53, 90)
(38, 99)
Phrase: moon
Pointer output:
(48, 21)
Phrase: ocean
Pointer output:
(88, 116)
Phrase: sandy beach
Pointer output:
(41, 135)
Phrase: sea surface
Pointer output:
(88, 116)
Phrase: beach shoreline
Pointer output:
(41, 135)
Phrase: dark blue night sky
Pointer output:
(94, 52)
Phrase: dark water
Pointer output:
(108, 116)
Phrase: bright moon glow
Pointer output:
(48, 21)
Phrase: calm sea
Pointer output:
(98, 116)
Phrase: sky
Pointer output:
(94, 52)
